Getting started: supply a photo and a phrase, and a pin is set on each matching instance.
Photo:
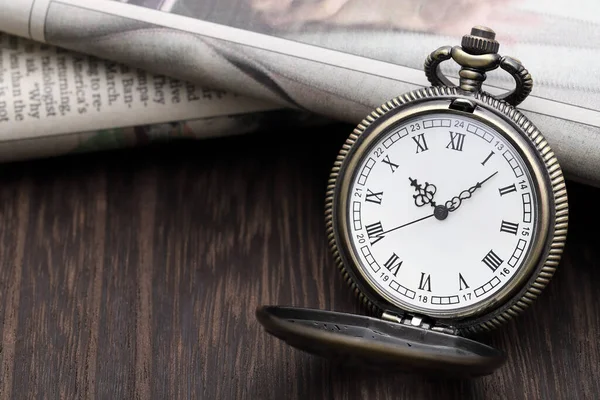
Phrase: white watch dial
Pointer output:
(441, 213)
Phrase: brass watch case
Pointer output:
(552, 205)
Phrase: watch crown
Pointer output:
(482, 40)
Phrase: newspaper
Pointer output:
(341, 58)
(55, 102)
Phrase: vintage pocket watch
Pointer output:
(447, 215)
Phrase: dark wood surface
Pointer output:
(135, 274)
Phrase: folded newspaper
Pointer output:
(340, 58)
(54, 102)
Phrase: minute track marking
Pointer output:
(427, 245)
(404, 225)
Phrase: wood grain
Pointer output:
(135, 274)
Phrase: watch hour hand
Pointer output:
(424, 193)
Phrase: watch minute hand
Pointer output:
(456, 201)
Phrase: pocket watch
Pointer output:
(446, 213)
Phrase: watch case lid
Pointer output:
(356, 340)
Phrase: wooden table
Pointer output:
(136, 274)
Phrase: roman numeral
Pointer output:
(507, 190)
(456, 141)
(509, 227)
(492, 260)
(487, 158)
(462, 284)
(392, 264)
(374, 197)
(375, 232)
(421, 143)
(425, 282)
(391, 164)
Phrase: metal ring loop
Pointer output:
(523, 80)
(432, 63)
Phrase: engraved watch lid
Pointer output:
(379, 344)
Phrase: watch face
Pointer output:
(441, 213)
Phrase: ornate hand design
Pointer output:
(424, 194)
(455, 202)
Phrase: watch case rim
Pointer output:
(554, 211)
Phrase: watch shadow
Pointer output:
(334, 381)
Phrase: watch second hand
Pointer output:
(408, 223)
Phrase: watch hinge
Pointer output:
(407, 319)
(445, 329)
(416, 321)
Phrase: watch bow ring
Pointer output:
(477, 55)
(446, 213)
